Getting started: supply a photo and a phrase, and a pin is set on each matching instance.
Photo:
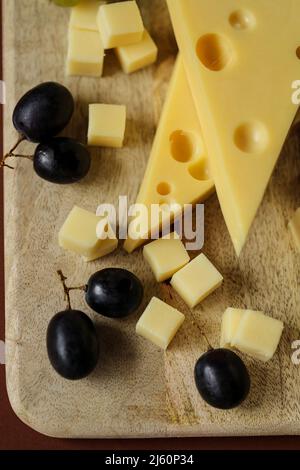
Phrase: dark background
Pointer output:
(15, 435)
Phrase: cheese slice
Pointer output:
(241, 61)
(177, 171)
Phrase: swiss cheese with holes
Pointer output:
(177, 171)
(241, 58)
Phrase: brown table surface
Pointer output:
(15, 435)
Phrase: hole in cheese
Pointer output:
(199, 170)
(251, 137)
(241, 20)
(163, 189)
(182, 146)
(214, 51)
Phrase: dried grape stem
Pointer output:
(21, 139)
(67, 290)
(11, 153)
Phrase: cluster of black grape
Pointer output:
(40, 115)
(72, 340)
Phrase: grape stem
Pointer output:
(167, 289)
(67, 290)
(12, 154)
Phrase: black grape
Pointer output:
(72, 344)
(43, 112)
(114, 292)
(62, 160)
(222, 378)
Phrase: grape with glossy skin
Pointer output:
(72, 344)
(114, 292)
(222, 378)
(62, 160)
(43, 112)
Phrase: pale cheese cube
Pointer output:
(139, 55)
(166, 256)
(120, 24)
(230, 323)
(79, 235)
(84, 15)
(85, 53)
(196, 280)
(294, 227)
(159, 323)
(258, 335)
(107, 123)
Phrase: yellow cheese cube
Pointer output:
(79, 234)
(294, 227)
(258, 335)
(196, 281)
(159, 323)
(139, 55)
(120, 24)
(107, 123)
(85, 53)
(84, 15)
(230, 323)
(166, 256)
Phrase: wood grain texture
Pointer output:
(136, 391)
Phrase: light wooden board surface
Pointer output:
(136, 391)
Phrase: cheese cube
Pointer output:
(85, 53)
(79, 234)
(230, 323)
(159, 323)
(107, 123)
(166, 256)
(258, 335)
(196, 280)
(84, 15)
(294, 227)
(120, 24)
(137, 56)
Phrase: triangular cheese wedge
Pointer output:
(177, 171)
(241, 59)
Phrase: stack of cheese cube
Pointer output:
(97, 26)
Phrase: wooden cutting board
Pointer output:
(136, 391)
